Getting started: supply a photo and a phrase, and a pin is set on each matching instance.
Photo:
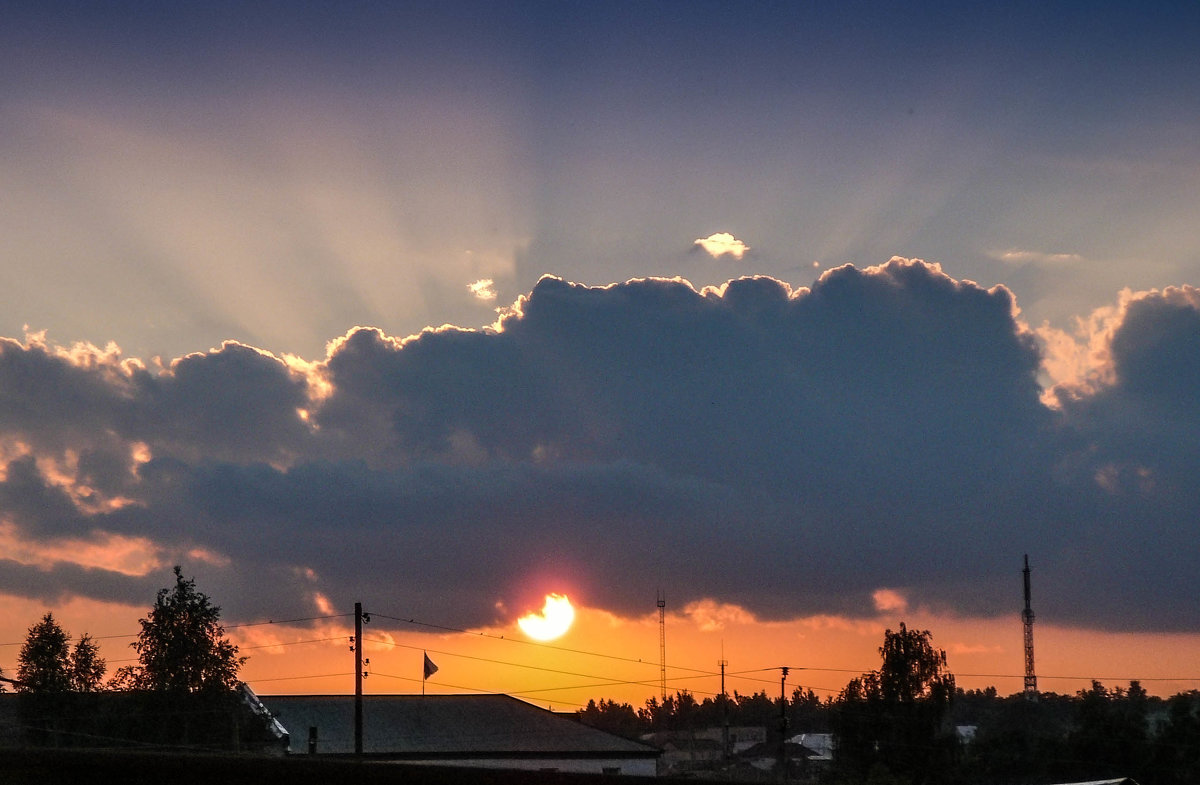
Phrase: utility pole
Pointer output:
(1031, 690)
(724, 708)
(356, 646)
(662, 644)
(783, 723)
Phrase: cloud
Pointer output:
(1020, 257)
(721, 244)
(709, 615)
(889, 600)
(751, 448)
(483, 289)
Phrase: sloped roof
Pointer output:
(444, 726)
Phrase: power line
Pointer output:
(290, 643)
(691, 672)
(475, 633)
(287, 621)
(308, 676)
(226, 626)
(443, 652)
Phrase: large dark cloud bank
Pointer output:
(789, 451)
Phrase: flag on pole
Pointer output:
(430, 668)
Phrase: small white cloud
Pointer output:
(723, 243)
(1019, 257)
(483, 289)
(889, 600)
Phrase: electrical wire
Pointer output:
(474, 633)
(225, 626)
(747, 675)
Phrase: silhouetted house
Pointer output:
(702, 749)
(820, 746)
(765, 757)
(684, 752)
(485, 731)
(231, 722)
(741, 737)
(10, 721)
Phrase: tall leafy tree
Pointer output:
(87, 666)
(1177, 746)
(1111, 734)
(44, 662)
(182, 646)
(893, 720)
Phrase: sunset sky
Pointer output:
(815, 317)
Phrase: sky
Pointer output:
(814, 318)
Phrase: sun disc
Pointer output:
(554, 619)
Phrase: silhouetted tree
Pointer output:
(87, 666)
(182, 646)
(1016, 739)
(1176, 750)
(43, 666)
(890, 722)
(1111, 735)
(675, 712)
(757, 709)
(616, 718)
(807, 713)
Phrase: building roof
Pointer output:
(444, 726)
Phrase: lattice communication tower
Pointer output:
(1031, 690)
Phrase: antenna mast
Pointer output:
(662, 643)
(1031, 690)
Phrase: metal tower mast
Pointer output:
(662, 644)
(1031, 689)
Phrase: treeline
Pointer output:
(908, 724)
(184, 691)
(1096, 733)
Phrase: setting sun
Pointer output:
(554, 619)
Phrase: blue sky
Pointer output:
(279, 173)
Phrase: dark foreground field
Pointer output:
(49, 767)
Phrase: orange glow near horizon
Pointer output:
(616, 657)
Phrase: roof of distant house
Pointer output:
(444, 726)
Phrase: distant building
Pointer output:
(765, 757)
(689, 751)
(741, 737)
(820, 745)
(483, 731)
(685, 752)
